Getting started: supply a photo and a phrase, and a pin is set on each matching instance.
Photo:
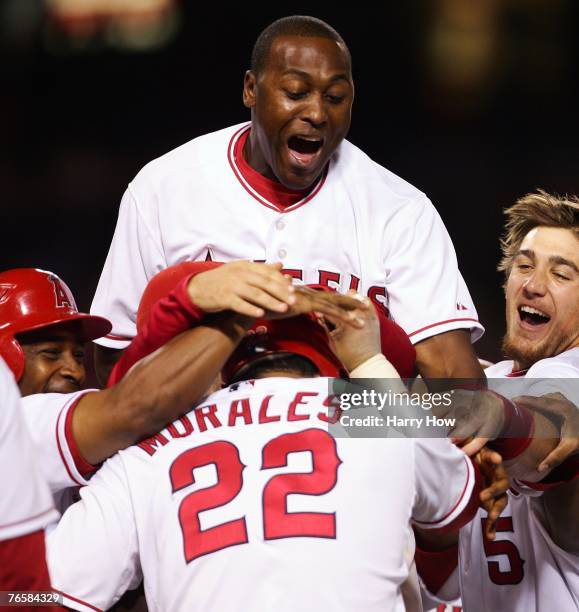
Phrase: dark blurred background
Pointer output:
(472, 101)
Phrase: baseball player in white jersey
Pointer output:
(287, 187)
(26, 506)
(42, 335)
(533, 564)
(248, 503)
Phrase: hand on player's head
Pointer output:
(245, 287)
(355, 345)
(342, 309)
(54, 361)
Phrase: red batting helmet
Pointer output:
(164, 282)
(32, 299)
(301, 335)
(304, 336)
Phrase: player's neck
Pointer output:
(251, 154)
(260, 177)
(282, 374)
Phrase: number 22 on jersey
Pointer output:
(277, 521)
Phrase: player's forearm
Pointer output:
(156, 391)
(179, 374)
(448, 356)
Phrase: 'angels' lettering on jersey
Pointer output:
(340, 282)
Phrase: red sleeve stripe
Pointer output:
(80, 601)
(30, 518)
(461, 504)
(564, 473)
(84, 468)
(442, 323)
(468, 512)
(60, 428)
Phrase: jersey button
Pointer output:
(282, 253)
(280, 225)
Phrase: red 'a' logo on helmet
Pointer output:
(63, 297)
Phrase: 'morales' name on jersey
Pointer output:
(246, 411)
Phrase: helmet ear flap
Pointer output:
(13, 355)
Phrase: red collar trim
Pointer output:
(265, 191)
(272, 191)
(517, 373)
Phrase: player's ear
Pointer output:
(249, 87)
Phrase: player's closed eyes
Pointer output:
(51, 353)
(524, 267)
(295, 95)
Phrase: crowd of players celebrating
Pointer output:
(250, 269)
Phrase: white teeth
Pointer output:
(531, 310)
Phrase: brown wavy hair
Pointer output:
(533, 210)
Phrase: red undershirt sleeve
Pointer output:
(169, 317)
(23, 565)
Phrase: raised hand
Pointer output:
(244, 287)
(496, 481)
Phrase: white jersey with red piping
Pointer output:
(361, 227)
(249, 503)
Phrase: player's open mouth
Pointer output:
(304, 150)
(533, 317)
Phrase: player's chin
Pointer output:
(296, 177)
(62, 386)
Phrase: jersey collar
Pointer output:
(267, 192)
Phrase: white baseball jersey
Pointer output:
(48, 417)
(564, 365)
(361, 227)
(523, 569)
(554, 374)
(248, 503)
(25, 504)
